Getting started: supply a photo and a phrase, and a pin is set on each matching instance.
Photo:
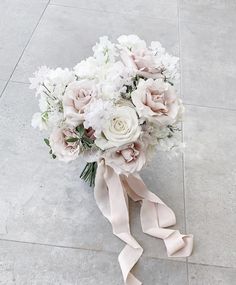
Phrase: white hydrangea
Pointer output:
(97, 114)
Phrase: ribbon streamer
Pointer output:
(111, 194)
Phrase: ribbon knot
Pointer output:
(111, 194)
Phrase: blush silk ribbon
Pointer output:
(111, 194)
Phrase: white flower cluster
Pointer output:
(118, 104)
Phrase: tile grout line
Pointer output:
(110, 252)
(182, 158)
(210, 107)
(22, 53)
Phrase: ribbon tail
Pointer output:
(112, 200)
(155, 216)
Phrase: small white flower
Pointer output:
(96, 115)
(39, 77)
(86, 68)
(105, 51)
(112, 79)
(131, 42)
(172, 145)
(157, 47)
(38, 122)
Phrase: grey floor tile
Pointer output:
(47, 202)
(210, 275)
(210, 162)
(18, 20)
(163, 9)
(208, 12)
(208, 64)
(26, 264)
(2, 85)
(217, 4)
(66, 35)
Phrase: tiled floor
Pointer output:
(51, 231)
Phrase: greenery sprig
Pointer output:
(50, 151)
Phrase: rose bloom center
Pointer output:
(119, 125)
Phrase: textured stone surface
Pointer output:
(209, 63)
(211, 275)
(74, 35)
(208, 12)
(210, 175)
(18, 20)
(22, 264)
(2, 84)
(161, 9)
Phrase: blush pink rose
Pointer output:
(142, 61)
(65, 151)
(77, 96)
(126, 159)
(156, 100)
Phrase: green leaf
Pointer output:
(47, 142)
(80, 130)
(44, 116)
(71, 140)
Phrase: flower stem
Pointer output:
(89, 172)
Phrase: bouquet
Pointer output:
(115, 109)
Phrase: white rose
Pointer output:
(122, 128)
